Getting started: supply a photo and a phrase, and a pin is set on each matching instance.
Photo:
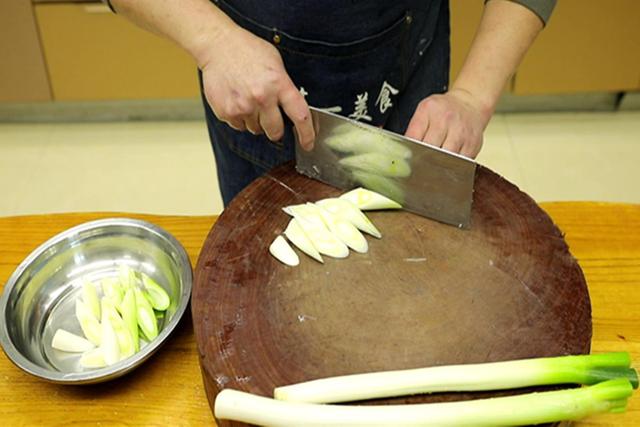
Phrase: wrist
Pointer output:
(203, 38)
(484, 104)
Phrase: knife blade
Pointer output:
(424, 179)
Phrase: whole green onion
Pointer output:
(532, 408)
(586, 369)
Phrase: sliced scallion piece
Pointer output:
(130, 316)
(88, 323)
(344, 230)
(109, 345)
(155, 293)
(369, 200)
(112, 288)
(125, 339)
(283, 252)
(67, 341)
(90, 298)
(93, 359)
(381, 184)
(145, 315)
(314, 227)
(347, 210)
(297, 236)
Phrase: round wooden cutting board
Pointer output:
(425, 294)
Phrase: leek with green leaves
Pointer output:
(532, 408)
(585, 369)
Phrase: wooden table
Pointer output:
(168, 390)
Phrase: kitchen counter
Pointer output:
(167, 390)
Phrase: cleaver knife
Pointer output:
(425, 180)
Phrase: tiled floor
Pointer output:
(168, 167)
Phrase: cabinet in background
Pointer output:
(93, 54)
(23, 75)
(588, 46)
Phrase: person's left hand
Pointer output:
(454, 121)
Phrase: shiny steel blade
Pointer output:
(426, 180)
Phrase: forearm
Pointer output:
(195, 25)
(506, 31)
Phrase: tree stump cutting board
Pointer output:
(425, 294)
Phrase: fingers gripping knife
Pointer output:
(426, 180)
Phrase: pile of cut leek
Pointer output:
(607, 383)
(330, 226)
(114, 318)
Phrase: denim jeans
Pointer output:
(372, 60)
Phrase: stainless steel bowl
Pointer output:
(40, 295)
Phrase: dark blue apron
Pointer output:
(371, 60)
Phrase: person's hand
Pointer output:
(246, 84)
(454, 121)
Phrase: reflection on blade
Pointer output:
(378, 163)
(425, 180)
(380, 184)
(355, 142)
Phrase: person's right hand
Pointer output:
(246, 84)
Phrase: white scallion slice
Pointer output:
(297, 236)
(281, 250)
(345, 231)
(112, 288)
(314, 227)
(67, 341)
(125, 340)
(109, 346)
(350, 212)
(93, 359)
(146, 317)
(157, 296)
(130, 316)
(90, 298)
(525, 409)
(379, 164)
(127, 278)
(89, 324)
(367, 200)
(381, 184)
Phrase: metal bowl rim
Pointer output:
(124, 366)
